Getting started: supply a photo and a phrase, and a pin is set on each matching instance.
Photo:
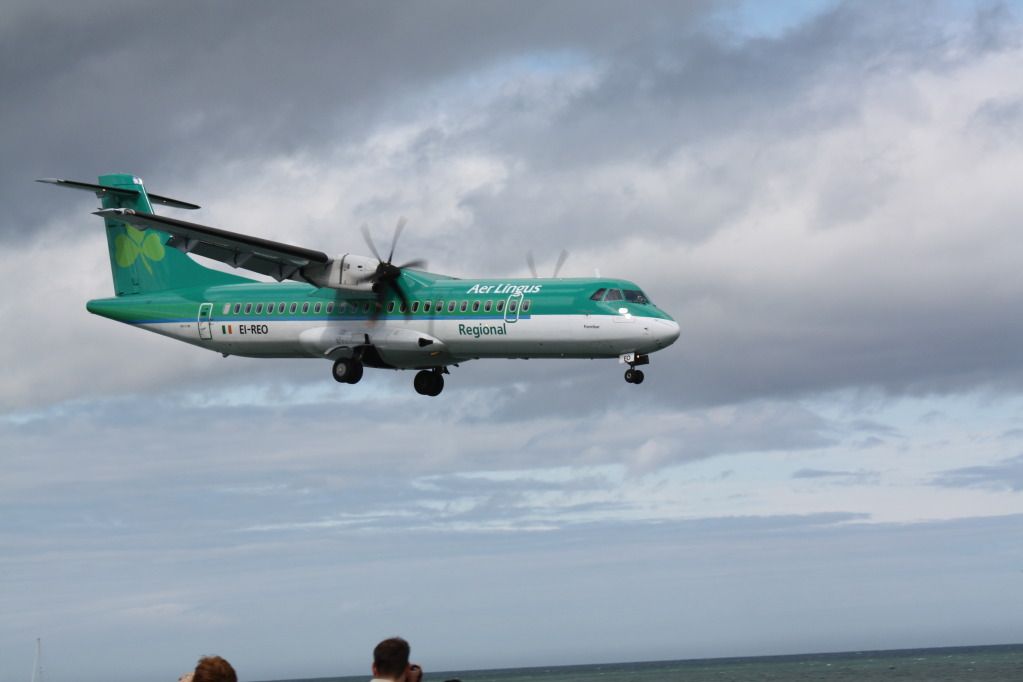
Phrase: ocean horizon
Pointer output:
(984, 663)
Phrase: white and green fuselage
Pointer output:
(454, 320)
(418, 320)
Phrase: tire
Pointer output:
(630, 376)
(637, 376)
(347, 371)
(423, 382)
(428, 382)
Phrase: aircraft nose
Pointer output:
(665, 332)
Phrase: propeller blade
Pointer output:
(397, 233)
(562, 257)
(532, 264)
(369, 241)
(371, 277)
(417, 264)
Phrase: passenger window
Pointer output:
(269, 308)
(237, 308)
(512, 305)
(365, 307)
(318, 308)
(415, 306)
(526, 305)
(500, 305)
(294, 307)
(259, 308)
(330, 307)
(426, 306)
(488, 306)
(439, 307)
(613, 295)
(598, 294)
(280, 308)
(305, 307)
(390, 307)
(464, 306)
(475, 306)
(402, 308)
(451, 306)
(227, 308)
(248, 308)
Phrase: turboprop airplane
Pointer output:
(356, 311)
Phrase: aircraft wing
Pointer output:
(274, 259)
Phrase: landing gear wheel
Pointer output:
(428, 382)
(347, 371)
(634, 376)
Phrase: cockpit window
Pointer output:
(613, 295)
(636, 296)
(598, 294)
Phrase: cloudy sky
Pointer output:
(825, 195)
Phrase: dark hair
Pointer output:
(390, 657)
(214, 669)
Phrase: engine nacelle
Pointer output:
(343, 272)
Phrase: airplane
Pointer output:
(356, 311)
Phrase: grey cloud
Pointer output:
(1005, 475)
(861, 477)
(160, 90)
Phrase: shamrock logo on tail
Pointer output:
(135, 244)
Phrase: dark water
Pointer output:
(960, 664)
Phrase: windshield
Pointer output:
(636, 296)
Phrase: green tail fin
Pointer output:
(140, 260)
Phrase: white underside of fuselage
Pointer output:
(416, 343)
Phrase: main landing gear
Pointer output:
(633, 375)
(429, 382)
(347, 371)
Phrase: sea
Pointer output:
(1003, 663)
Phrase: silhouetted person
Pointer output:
(212, 669)
(390, 662)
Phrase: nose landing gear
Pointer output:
(633, 375)
(429, 382)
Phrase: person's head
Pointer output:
(390, 658)
(214, 669)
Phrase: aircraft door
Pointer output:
(206, 321)
(512, 307)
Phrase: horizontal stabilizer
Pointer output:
(274, 259)
(100, 190)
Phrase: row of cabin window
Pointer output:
(365, 306)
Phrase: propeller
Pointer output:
(562, 257)
(387, 276)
